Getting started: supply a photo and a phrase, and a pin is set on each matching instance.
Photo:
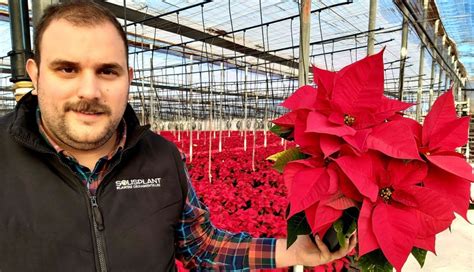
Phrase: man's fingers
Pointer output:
(349, 245)
(353, 241)
(322, 246)
(342, 251)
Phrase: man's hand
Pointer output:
(304, 252)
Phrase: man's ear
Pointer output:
(32, 70)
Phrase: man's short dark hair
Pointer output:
(79, 13)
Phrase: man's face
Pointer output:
(82, 83)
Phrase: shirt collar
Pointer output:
(119, 145)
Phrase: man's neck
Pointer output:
(89, 158)
(86, 158)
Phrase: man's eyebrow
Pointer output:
(112, 65)
(59, 62)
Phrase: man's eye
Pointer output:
(67, 70)
(108, 72)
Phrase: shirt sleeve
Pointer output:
(200, 245)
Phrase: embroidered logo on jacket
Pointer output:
(137, 183)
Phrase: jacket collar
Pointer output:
(24, 127)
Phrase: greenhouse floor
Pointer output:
(455, 249)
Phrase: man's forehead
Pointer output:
(63, 23)
(66, 38)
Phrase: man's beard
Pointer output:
(64, 131)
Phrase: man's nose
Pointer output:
(89, 86)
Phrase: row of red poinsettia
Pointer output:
(240, 199)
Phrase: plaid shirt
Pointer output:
(199, 243)
(91, 179)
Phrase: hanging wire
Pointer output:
(332, 57)
(356, 45)
(209, 100)
(183, 97)
(265, 47)
(235, 51)
(271, 81)
(137, 72)
(290, 89)
(321, 36)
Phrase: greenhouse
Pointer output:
(326, 118)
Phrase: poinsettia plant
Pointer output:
(361, 164)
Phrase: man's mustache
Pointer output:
(89, 106)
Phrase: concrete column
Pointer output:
(432, 80)
(403, 58)
(305, 25)
(446, 78)
(459, 86)
(371, 35)
(440, 79)
(420, 84)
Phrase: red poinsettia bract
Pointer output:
(397, 213)
(313, 188)
(407, 179)
(449, 172)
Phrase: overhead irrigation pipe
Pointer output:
(379, 30)
(214, 37)
(249, 67)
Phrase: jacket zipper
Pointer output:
(98, 223)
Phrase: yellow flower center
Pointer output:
(349, 120)
(386, 193)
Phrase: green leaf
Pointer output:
(338, 226)
(374, 261)
(283, 132)
(345, 226)
(296, 225)
(419, 254)
(282, 158)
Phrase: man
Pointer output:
(84, 187)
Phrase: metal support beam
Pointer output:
(432, 79)
(446, 78)
(420, 85)
(20, 37)
(403, 57)
(371, 36)
(440, 79)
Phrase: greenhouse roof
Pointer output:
(458, 20)
(181, 46)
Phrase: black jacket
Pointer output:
(50, 222)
